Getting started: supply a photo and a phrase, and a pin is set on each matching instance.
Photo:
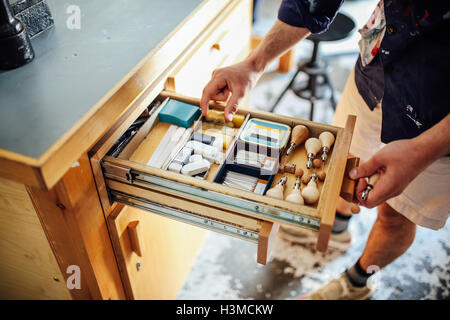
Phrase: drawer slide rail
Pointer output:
(186, 217)
(130, 176)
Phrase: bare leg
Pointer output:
(344, 207)
(391, 235)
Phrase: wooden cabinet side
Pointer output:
(73, 220)
(28, 268)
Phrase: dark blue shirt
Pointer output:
(411, 69)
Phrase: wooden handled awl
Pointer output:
(218, 116)
(277, 192)
(312, 145)
(310, 193)
(295, 196)
(299, 135)
(372, 180)
(327, 139)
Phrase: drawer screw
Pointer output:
(138, 265)
(256, 208)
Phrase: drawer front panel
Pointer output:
(130, 179)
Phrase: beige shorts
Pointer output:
(426, 200)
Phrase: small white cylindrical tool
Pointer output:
(182, 156)
(175, 167)
(195, 158)
(208, 152)
(193, 168)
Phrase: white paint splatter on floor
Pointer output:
(227, 269)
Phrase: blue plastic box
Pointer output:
(179, 113)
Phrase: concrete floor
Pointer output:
(226, 268)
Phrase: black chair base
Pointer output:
(318, 86)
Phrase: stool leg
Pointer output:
(313, 82)
(284, 91)
(332, 100)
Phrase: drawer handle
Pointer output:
(266, 239)
(215, 46)
(348, 185)
(135, 239)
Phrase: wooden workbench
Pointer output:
(82, 83)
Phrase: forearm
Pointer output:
(280, 38)
(435, 142)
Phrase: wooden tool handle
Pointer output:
(327, 139)
(215, 116)
(313, 145)
(370, 184)
(218, 116)
(135, 239)
(299, 134)
(373, 178)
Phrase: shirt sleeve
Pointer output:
(314, 15)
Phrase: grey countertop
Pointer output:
(74, 69)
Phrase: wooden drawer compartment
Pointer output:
(127, 179)
(227, 43)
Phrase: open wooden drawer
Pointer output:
(126, 178)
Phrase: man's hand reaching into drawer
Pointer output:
(232, 83)
(400, 162)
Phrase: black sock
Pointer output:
(340, 223)
(357, 275)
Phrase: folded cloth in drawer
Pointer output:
(179, 113)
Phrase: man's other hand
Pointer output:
(398, 163)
